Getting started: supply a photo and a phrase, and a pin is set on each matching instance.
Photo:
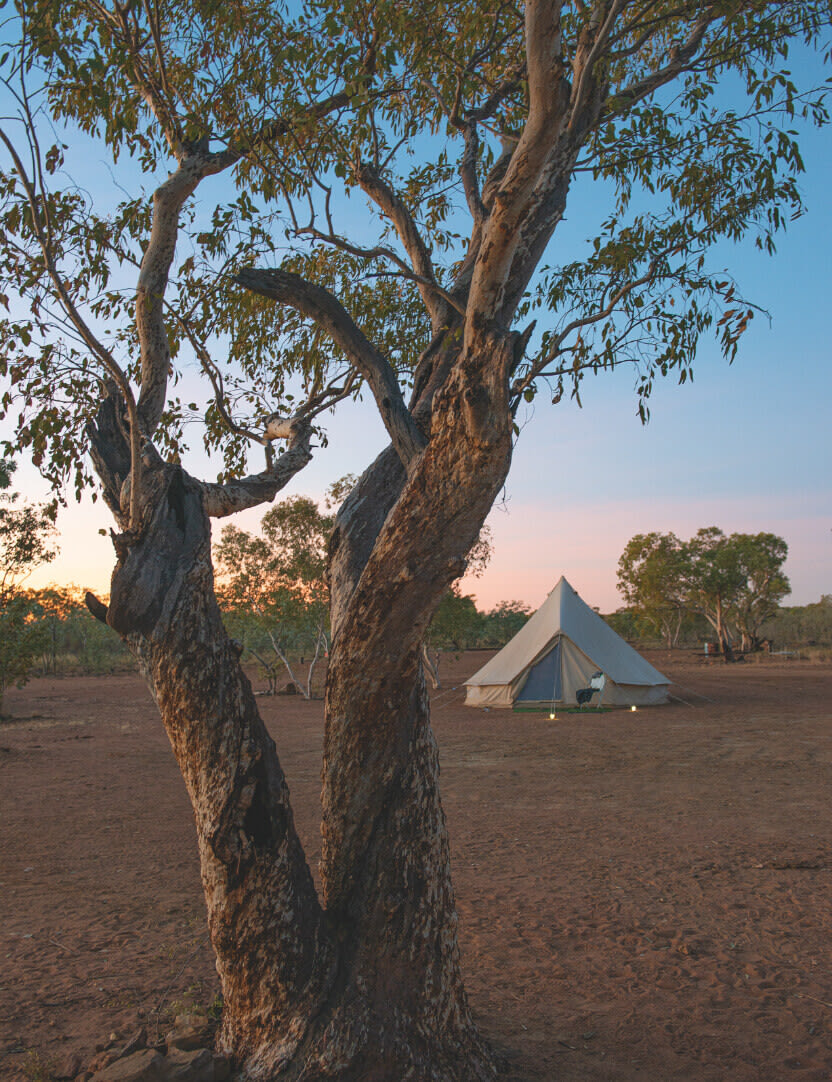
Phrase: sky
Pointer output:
(746, 447)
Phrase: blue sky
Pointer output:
(746, 447)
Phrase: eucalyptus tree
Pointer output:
(275, 582)
(320, 200)
(713, 579)
(650, 578)
(760, 558)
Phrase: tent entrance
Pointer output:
(544, 684)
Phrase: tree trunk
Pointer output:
(385, 864)
(722, 634)
(369, 989)
(274, 954)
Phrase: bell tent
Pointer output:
(556, 653)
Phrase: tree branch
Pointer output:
(168, 200)
(220, 500)
(274, 426)
(590, 47)
(380, 252)
(538, 367)
(395, 210)
(43, 234)
(681, 57)
(541, 132)
(327, 311)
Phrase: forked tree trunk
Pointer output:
(367, 988)
(717, 622)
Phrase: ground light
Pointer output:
(633, 709)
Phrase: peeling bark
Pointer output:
(275, 954)
(385, 864)
(368, 986)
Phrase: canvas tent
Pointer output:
(557, 651)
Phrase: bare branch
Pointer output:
(168, 200)
(327, 311)
(395, 210)
(226, 499)
(468, 174)
(589, 49)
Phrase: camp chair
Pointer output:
(597, 683)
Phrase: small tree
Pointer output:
(650, 579)
(55, 606)
(276, 584)
(456, 623)
(26, 532)
(760, 558)
(502, 623)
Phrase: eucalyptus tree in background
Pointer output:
(650, 581)
(274, 582)
(713, 581)
(324, 199)
(735, 581)
(760, 558)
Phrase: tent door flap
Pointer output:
(544, 682)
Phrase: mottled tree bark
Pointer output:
(275, 957)
(385, 866)
(367, 986)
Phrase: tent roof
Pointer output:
(565, 613)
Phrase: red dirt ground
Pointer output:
(644, 897)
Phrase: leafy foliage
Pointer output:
(72, 640)
(649, 578)
(22, 638)
(272, 586)
(734, 580)
(801, 624)
(299, 100)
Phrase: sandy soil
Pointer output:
(643, 896)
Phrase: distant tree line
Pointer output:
(804, 625)
(730, 586)
(271, 587)
(274, 595)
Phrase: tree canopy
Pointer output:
(733, 581)
(358, 153)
